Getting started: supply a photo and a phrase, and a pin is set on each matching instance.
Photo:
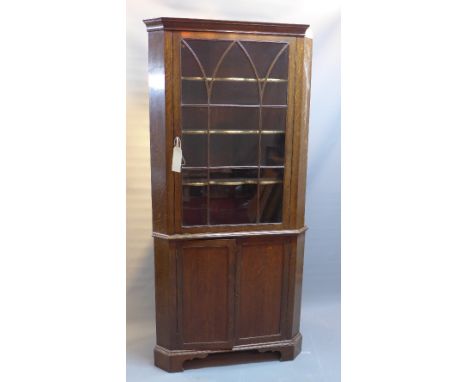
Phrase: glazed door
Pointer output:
(261, 289)
(232, 112)
(205, 298)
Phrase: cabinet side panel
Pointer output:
(301, 128)
(302, 171)
(159, 64)
(297, 272)
(165, 280)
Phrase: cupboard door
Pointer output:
(232, 108)
(261, 289)
(205, 283)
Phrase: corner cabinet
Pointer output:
(228, 224)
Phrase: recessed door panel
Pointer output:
(262, 267)
(205, 274)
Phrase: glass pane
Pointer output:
(272, 150)
(263, 54)
(194, 118)
(208, 52)
(194, 177)
(234, 118)
(280, 68)
(194, 92)
(235, 204)
(235, 92)
(233, 149)
(231, 69)
(189, 67)
(194, 197)
(194, 148)
(234, 175)
(271, 198)
(272, 174)
(194, 201)
(274, 118)
(276, 93)
(235, 64)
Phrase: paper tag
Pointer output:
(177, 157)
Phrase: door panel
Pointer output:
(205, 276)
(262, 269)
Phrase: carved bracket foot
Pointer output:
(288, 349)
(173, 360)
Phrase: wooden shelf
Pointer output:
(233, 182)
(234, 79)
(191, 132)
(230, 105)
(229, 167)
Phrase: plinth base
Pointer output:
(173, 360)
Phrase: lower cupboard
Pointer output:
(227, 294)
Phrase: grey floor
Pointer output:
(319, 360)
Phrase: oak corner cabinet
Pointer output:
(228, 223)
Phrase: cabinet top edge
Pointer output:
(203, 25)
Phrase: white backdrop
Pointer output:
(322, 262)
(404, 192)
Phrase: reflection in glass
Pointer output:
(272, 174)
(272, 150)
(271, 196)
(194, 205)
(233, 204)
